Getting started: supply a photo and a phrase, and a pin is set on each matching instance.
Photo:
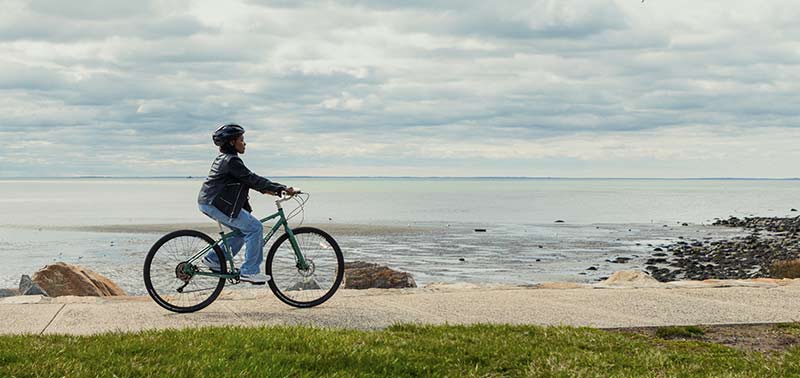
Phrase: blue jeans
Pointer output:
(252, 232)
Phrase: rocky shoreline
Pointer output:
(762, 244)
(62, 279)
(770, 242)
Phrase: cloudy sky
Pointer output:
(569, 88)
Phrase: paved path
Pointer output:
(370, 309)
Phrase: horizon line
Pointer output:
(418, 177)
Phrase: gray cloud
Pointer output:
(59, 21)
(91, 9)
(443, 86)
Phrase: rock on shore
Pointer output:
(64, 279)
(771, 240)
(629, 277)
(364, 275)
(790, 225)
(26, 287)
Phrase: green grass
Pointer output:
(792, 328)
(403, 350)
(676, 332)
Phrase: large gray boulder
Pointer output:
(364, 275)
(28, 287)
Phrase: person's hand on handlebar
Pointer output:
(290, 191)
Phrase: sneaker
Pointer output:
(255, 279)
(211, 265)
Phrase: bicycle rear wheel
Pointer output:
(310, 287)
(172, 282)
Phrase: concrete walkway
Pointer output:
(716, 302)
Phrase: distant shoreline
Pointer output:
(420, 178)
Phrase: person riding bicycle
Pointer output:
(224, 196)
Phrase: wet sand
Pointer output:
(443, 252)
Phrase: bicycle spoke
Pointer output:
(168, 271)
(305, 286)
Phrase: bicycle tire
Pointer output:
(299, 288)
(182, 244)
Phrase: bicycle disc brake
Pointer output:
(307, 272)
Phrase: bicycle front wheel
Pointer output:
(171, 281)
(309, 287)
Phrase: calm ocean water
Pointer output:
(602, 219)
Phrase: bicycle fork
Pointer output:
(302, 264)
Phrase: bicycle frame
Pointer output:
(223, 241)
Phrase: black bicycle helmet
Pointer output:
(225, 132)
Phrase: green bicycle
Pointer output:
(305, 263)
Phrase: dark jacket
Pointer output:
(228, 184)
